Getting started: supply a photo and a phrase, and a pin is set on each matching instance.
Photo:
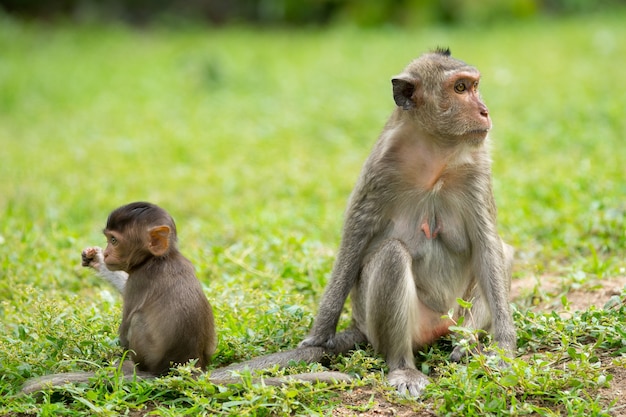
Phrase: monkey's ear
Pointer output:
(404, 90)
(159, 240)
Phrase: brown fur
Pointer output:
(166, 318)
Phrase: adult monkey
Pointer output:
(420, 227)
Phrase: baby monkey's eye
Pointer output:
(459, 87)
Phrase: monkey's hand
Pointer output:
(92, 257)
(323, 340)
(339, 343)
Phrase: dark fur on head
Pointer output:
(442, 51)
(139, 214)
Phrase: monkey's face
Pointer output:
(441, 94)
(460, 114)
(130, 248)
(116, 251)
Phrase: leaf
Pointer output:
(509, 380)
(464, 304)
(573, 353)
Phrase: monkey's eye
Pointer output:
(459, 87)
(475, 85)
(113, 241)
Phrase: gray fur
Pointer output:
(220, 376)
(420, 228)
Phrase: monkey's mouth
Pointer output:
(477, 132)
(476, 136)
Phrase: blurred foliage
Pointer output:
(296, 12)
(253, 140)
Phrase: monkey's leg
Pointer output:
(476, 318)
(390, 305)
(148, 343)
(479, 316)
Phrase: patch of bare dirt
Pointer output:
(366, 401)
(616, 390)
(544, 293)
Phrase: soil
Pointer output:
(542, 294)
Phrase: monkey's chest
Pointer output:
(439, 244)
(431, 230)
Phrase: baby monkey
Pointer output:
(166, 317)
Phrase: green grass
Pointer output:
(253, 139)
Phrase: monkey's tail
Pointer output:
(329, 377)
(283, 359)
(218, 376)
(125, 368)
(56, 380)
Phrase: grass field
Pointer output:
(253, 139)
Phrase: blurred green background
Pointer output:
(250, 126)
(297, 12)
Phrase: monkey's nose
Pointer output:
(484, 111)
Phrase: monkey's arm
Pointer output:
(116, 278)
(342, 280)
(362, 223)
(490, 266)
(92, 257)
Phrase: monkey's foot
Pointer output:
(461, 352)
(92, 257)
(409, 381)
